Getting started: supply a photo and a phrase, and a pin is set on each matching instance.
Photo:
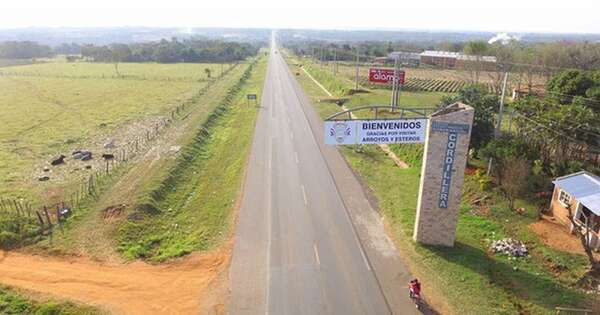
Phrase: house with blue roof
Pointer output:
(578, 194)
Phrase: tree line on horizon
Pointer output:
(164, 51)
(545, 57)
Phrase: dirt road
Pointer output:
(136, 288)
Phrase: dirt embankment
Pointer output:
(178, 287)
(557, 236)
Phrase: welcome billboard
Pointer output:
(342, 132)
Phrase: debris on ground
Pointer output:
(110, 143)
(64, 212)
(175, 148)
(509, 246)
(108, 156)
(46, 169)
(87, 155)
(113, 212)
(44, 178)
(83, 155)
(58, 160)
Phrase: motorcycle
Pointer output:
(416, 298)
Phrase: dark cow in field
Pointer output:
(58, 160)
(108, 156)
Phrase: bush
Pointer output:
(15, 229)
(508, 146)
(485, 106)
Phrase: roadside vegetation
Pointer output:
(192, 207)
(468, 278)
(11, 303)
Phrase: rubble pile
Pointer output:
(509, 246)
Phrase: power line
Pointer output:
(556, 132)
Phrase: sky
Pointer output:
(573, 16)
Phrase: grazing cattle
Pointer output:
(58, 160)
(108, 156)
(86, 155)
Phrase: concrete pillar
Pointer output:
(442, 174)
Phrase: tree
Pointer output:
(485, 106)
(207, 71)
(513, 171)
(567, 84)
(23, 50)
(119, 53)
(584, 232)
(476, 49)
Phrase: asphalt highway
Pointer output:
(297, 250)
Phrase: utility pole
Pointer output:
(321, 57)
(395, 85)
(357, 57)
(334, 61)
(499, 123)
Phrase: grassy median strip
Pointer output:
(192, 209)
(465, 279)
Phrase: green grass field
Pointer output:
(178, 202)
(78, 105)
(465, 279)
(148, 71)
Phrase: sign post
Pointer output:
(251, 97)
(395, 76)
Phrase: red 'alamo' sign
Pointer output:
(379, 75)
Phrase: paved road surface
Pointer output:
(297, 250)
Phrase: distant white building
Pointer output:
(445, 59)
(450, 59)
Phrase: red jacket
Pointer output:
(415, 287)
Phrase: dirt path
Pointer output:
(557, 236)
(136, 288)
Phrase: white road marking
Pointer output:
(364, 257)
(317, 254)
(292, 135)
(304, 195)
(269, 223)
(296, 157)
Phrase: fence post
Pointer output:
(47, 217)
(39, 216)
(17, 207)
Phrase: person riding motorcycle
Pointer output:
(414, 288)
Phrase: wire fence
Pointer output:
(49, 214)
